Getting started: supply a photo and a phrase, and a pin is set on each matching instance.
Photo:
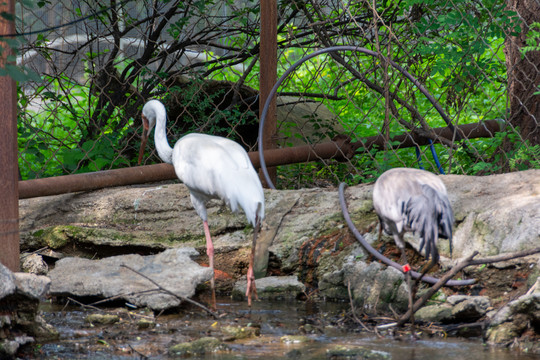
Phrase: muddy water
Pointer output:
(320, 323)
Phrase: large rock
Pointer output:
(172, 269)
(303, 231)
(376, 287)
(457, 309)
(514, 319)
(495, 214)
(304, 122)
(20, 322)
(272, 288)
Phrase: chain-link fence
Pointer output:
(201, 58)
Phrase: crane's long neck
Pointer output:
(160, 137)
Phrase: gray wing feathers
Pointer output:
(429, 215)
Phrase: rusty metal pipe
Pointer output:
(160, 172)
(95, 180)
(339, 149)
(484, 129)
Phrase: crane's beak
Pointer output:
(144, 138)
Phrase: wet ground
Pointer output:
(139, 334)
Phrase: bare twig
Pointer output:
(141, 355)
(504, 257)
(121, 296)
(193, 302)
(24, 256)
(468, 261)
(428, 294)
(84, 305)
(353, 310)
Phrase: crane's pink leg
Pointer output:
(210, 253)
(251, 289)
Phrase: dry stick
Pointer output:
(505, 257)
(122, 296)
(468, 261)
(424, 298)
(93, 307)
(141, 355)
(84, 305)
(173, 294)
(23, 256)
(353, 310)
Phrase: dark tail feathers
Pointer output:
(430, 215)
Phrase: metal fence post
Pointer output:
(9, 196)
(268, 74)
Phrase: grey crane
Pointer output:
(413, 200)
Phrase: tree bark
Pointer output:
(524, 73)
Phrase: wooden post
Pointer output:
(9, 180)
(268, 75)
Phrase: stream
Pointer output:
(140, 334)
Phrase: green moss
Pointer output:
(198, 347)
(363, 220)
(57, 237)
(482, 231)
(54, 237)
(241, 332)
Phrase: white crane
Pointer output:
(413, 200)
(211, 167)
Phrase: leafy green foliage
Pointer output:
(51, 141)
(94, 155)
(521, 156)
(455, 49)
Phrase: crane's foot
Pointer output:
(210, 253)
(251, 288)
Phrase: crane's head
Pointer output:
(149, 114)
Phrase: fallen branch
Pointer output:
(193, 302)
(468, 261)
(428, 294)
(504, 257)
(83, 305)
(353, 310)
(141, 355)
(93, 307)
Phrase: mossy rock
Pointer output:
(200, 346)
(240, 332)
(356, 352)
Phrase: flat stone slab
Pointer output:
(271, 287)
(172, 269)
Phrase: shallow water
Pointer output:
(317, 321)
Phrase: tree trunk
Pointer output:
(524, 73)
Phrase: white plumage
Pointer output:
(211, 167)
(215, 167)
